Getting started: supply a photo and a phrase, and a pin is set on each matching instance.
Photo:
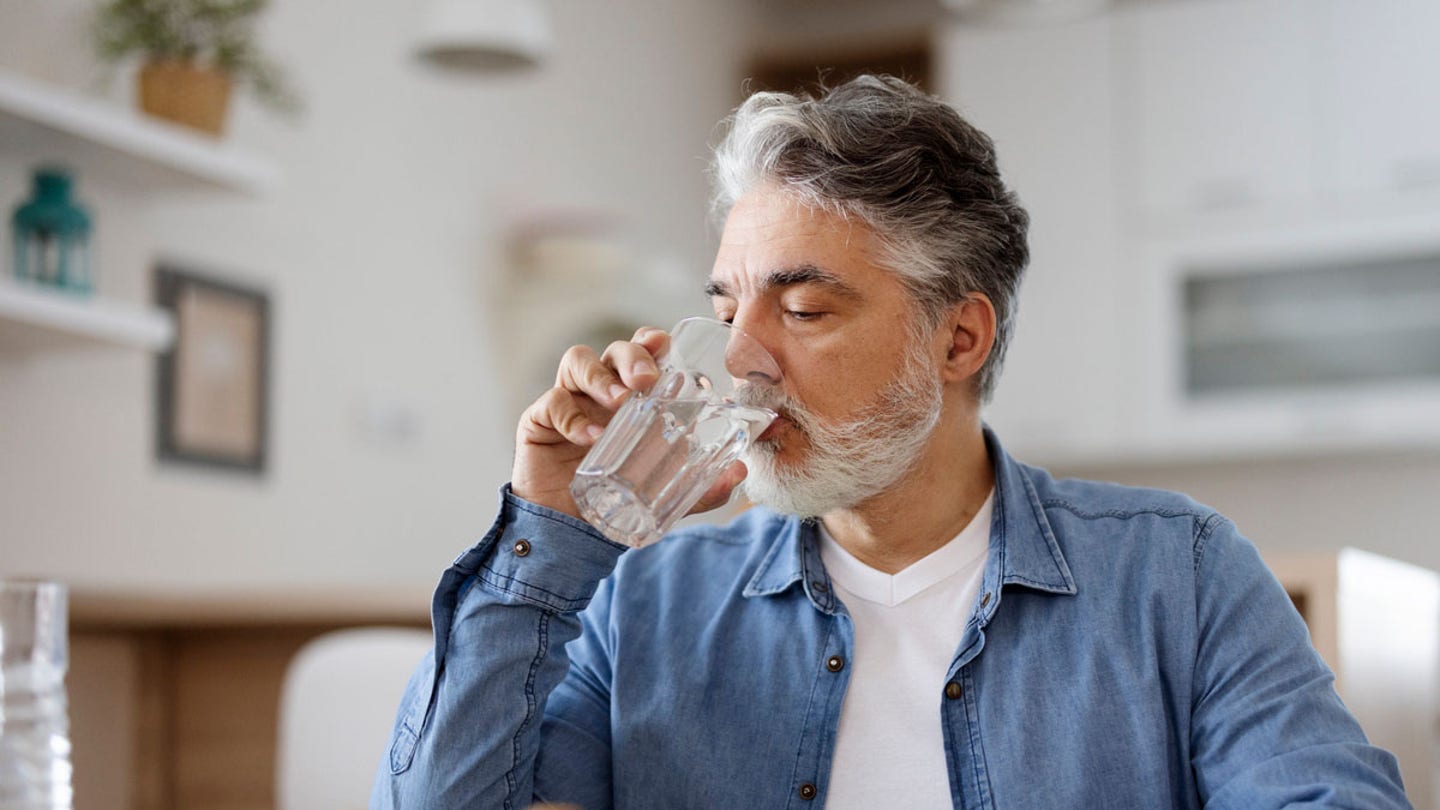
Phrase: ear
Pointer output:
(970, 327)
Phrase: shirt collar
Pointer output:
(1023, 549)
(794, 551)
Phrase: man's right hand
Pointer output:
(559, 428)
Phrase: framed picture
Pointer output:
(213, 384)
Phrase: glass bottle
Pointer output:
(35, 765)
(51, 234)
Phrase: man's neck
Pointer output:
(933, 503)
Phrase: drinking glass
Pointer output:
(34, 729)
(666, 446)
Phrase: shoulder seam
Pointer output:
(1120, 514)
(1203, 531)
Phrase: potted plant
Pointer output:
(193, 51)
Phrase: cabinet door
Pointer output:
(1382, 94)
(1218, 102)
(1044, 95)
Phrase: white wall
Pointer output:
(381, 251)
(382, 255)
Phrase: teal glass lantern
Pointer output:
(51, 234)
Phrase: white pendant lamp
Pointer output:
(484, 35)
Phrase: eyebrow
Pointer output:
(789, 277)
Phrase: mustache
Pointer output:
(784, 405)
(767, 396)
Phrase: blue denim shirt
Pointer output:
(1128, 649)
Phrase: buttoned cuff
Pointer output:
(540, 556)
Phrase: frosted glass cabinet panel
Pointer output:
(1312, 327)
(1324, 338)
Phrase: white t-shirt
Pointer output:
(889, 751)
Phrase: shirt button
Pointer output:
(952, 690)
(818, 586)
(522, 547)
(985, 600)
(834, 663)
(807, 791)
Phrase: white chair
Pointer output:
(338, 703)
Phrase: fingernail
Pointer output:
(594, 431)
(617, 391)
(641, 368)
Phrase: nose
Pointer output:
(747, 358)
(748, 320)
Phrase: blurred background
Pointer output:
(261, 383)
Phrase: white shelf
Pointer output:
(32, 316)
(47, 123)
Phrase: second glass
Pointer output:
(34, 727)
(665, 447)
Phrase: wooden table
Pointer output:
(174, 695)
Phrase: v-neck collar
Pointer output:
(876, 586)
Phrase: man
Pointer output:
(923, 622)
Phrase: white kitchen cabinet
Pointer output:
(1044, 95)
(1380, 115)
(1163, 137)
(1217, 101)
(1313, 339)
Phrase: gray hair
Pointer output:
(905, 163)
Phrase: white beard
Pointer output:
(849, 462)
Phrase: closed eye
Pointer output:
(801, 315)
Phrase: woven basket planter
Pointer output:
(186, 94)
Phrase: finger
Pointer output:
(633, 362)
(654, 339)
(583, 372)
(556, 417)
(719, 494)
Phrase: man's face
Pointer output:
(862, 393)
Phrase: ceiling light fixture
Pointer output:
(484, 35)
(1025, 12)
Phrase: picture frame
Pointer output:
(212, 384)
